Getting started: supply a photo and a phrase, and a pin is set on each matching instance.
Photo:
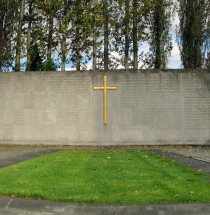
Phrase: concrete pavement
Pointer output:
(18, 206)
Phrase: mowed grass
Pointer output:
(105, 177)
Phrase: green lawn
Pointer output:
(105, 177)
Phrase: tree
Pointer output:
(78, 33)
(64, 36)
(37, 63)
(8, 15)
(94, 21)
(120, 33)
(2, 40)
(126, 20)
(30, 18)
(192, 35)
(135, 35)
(19, 36)
(48, 65)
(49, 9)
(106, 34)
(160, 40)
(81, 41)
(36, 59)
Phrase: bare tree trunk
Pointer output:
(63, 67)
(135, 38)
(19, 37)
(94, 48)
(106, 36)
(126, 33)
(94, 39)
(50, 34)
(78, 47)
(29, 38)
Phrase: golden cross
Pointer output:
(105, 88)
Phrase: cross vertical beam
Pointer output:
(105, 95)
(105, 101)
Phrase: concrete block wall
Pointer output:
(149, 107)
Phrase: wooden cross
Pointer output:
(105, 88)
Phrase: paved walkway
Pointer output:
(198, 152)
(185, 159)
(18, 206)
(193, 157)
(10, 155)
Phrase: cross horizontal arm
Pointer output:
(98, 88)
(111, 88)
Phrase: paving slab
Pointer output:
(197, 152)
(34, 207)
(13, 155)
(186, 161)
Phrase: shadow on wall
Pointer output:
(206, 78)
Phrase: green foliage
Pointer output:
(161, 13)
(48, 65)
(8, 11)
(193, 32)
(121, 32)
(74, 30)
(37, 63)
(105, 177)
(36, 60)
